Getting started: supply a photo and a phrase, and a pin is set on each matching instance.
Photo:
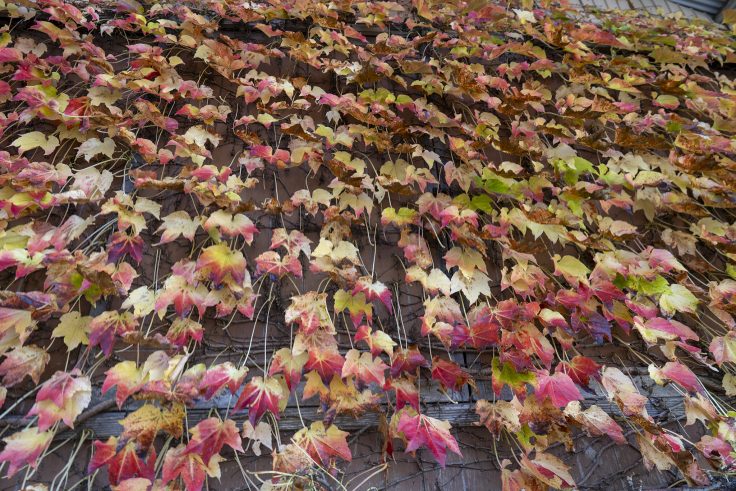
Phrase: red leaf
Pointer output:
(425, 431)
(124, 463)
(210, 435)
(580, 369)
(261, 395)
(24, 448)
(219, 376)
(322, 444)
(558, 387)
(449, 374)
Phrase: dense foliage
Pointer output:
(545, 181)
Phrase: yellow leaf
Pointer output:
(74, 328)
(36, 139)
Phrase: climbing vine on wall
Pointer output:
(544, 180)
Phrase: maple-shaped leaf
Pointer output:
(260, 395)
(580, 369)
(484, 329)
(355, 304)
(143, 424)
(221, 264)
(93, 146)
(230, 225)
(291, 366)
(24, 448)
(337, 253)
(678, 299)
(270, 262)
(177, 224)
(210, 435)
(407, 360)
(127, 379)
(181, 331)
(62, 397)
(124, 462)
(425, 431)
(323, 444)
(183, 291)
(364, 367)
(374, 291)
(472, 286)
(449, 374)
(466, 260)
(327, 362)
(595, 421)
(179, 462)
(294, 242)
(558, 387)
(378, 341)
(21, 362)
(36, 139)
(74, 328)
(219, 376)
(107, 325)
(121, 244)
(310, 312)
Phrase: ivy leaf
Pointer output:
(572, 269)
(24, 448)
(676, 372)
(260, 435)
(210, 435)
(425, 431)
(74, 328)
(122, 463)
(179, 462)
(231, 225)
(355, 304)
(364, 367)
(220, 376)
(506, 374)
(261, 395)
(21, 362)
(310, 312)
(595, 421)
(291, 365)
(61, 398)
(93, 147)
(323, 444)
(377, 341)
(221, 264)
(143, 424)
(678, 299)
(36, 139)
(559, 387)
(126, 377)
(178, 224)
(449, 374)
(15, 319)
